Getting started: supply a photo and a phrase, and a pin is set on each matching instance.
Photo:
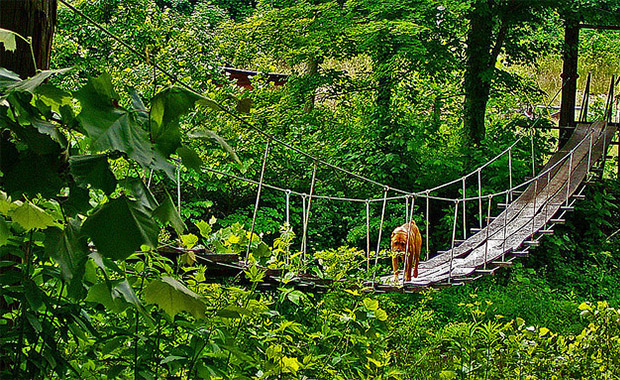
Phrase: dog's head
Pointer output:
(399, 240)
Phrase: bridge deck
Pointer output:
(522, 220)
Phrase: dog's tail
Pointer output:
(415, 270)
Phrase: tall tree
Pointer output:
(33, 20)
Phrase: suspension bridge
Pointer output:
(531, 209)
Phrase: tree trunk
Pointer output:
(478, 71)
(34, 20)
(569, 77)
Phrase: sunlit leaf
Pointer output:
(7, 38)
(205, 229)
(173, 297)
(31, 216)
(371, 304)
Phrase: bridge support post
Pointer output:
(569, 77)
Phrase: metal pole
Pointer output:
(480, 216)
(488, 227)
(260, 187)
(570, 173)
(428, 226)
(367, 235)
(179, 188)
(456, 213)
(288, 222)
(464, 213)
(534, 209)
(510, 173)
(385, 194)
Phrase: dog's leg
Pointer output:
(408, 266)
(418, 249)
(395, 267)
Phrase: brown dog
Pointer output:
(407, 235)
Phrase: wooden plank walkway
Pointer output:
(522, 220)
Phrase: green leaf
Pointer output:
(7, 38)
(93, 170)
(295, 297)
(167, 212)
(120, 227)
(67, 250)
(381, 315)
(244, 105)
(5, 232)
(189, 241)
(207, 134)
(190, 158)
(371, 304)
(111, 127)
(209, 103)
(174, 297)
(232, 311)
(100, 293)
(30, 84)
(140, 192)
(31, 217)
(166, 109)
(53, 96)
(205, 229)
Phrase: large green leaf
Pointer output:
(141, 193)
(166, 109)
(167, 212)
(93, 170)
(9, 83)
(67, 250)
(71, 254)
(116, 295)
(111, 127)
(31, 217)
(120, 227)
(190, 158)
(174, 297)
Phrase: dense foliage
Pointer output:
(98, 272)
